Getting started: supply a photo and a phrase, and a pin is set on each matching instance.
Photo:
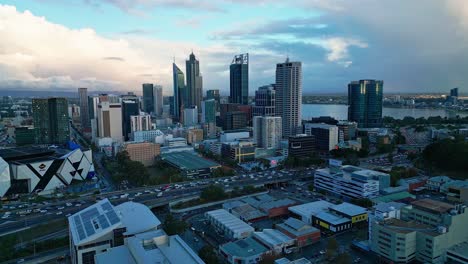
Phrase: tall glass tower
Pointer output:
(365, 103)
(50, 119)
(148, 98)
(194, 88)
(239, 79)
(179, 91)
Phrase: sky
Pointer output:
(415, 46)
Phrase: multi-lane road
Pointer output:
(150, 195)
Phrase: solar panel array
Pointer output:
(92, 219)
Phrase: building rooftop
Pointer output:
(230, 221)
(332, 218)
(312, 208)
(433, 205)
(460, 249)
(137, 217)
(278, 203)
(244, 248)
(319, 125)
(400, 226)
(297, 261)
(388, 207)
(297, 227)
(393, 197)
(187, 160)
(440, 179)
(349, 209)
(258, 200)
(273, 237)
(248, 212)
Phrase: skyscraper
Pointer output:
(148, 98)
(190, 116)
(289, 96)
(179, 91)
(209, 111)
(109, 119)
(158, 100)
(267, 132)
(129, 108)
(454, 92)
(214, 94)
(50, 119)
(239, 79)
(84, 108)
(140, 123)
(265, 99)
(194, 88)
(365, 103)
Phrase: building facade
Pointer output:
(267, 132)
(288, 88)
(179, 91)
(144, 152)
(326, 136)
(51, 121)
(365, 103)
(140, 123)
(190, 116)
(239, 79)
(129, 108)
(148, 98)
(158, 100)
(265, 100)
(109, 116)
(301, 145)
(194, 87)
(209, 111)
(84, 108)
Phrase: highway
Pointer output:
(152, 196)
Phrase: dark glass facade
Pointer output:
(265, 100)
(179, 91)
(194, 88)
(50, 118)
(365, 103)
(301, 146)
(148, 98)
(239, 79)
(129, 108)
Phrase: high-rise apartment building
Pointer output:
(365, 103)
(190, 116)
(50, 119)
(208, 111)
(179, 91)
(158, 100)
(84, 108)
(194, 88)
(265, 99)
(239, 79)
(109, 120)
(289, 96)
(326, 136)
(148, 97)
(267, 131)
(129, 108)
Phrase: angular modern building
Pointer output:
(267, 131)
(288, 88)
(148, 98)
(129, 108)
(194, 88)
(50, 119)
(239, 79)
(265, 100)
(365, 103)
(84, 108)
(179, 91)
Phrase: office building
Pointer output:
(190, 116)
(158, 100)
(84, 108)
(194, 135)
(350, 182)
(347, 130)
(267, 131)
(454, 92)
(50, 119)
(140, 123)
(42, 170)
(229, 136)
(326, 136)
(148, 98)
(247, 109)
(231, 226)
(426, 232)
(235, 120)
(303, 233)
(288, 88)
(265, 100)
(109, 116)
(179, 91)
(365, 103)
(194, 87)
(129, 108)
(209, 111)
(24, 136)
(301, 145)
(148, 135)
(239, 79)
(144, 152)
(214, 94)
(240, 152)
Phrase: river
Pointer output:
(340, 112)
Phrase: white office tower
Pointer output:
(140, 123)
(158, 100)
(109, 120)
(267, 131)
(289, 96)
(190, 116)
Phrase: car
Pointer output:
(68, 215)
(77, 205)
(60, 208)
(20, 261)
(322, 252)
(43, 211)
(59, 213)
(69, 204)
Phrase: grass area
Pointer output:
(8, 242)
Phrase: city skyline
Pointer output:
(126, 43)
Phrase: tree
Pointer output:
(390, 157)
(173, 226)
(268, 258)
(343, 258)
(212, 193)
(208, 255)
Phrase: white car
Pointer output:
(60, 208)
(59, 213)
(69, 204)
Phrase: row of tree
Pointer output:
(447, 155)
(432, 120)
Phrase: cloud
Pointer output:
(137, 31)
(140, 7)
(114, 58)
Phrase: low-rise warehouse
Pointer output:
(303, 233)
(231, 226)
(246, 250)
(275, 240)
(306, 211)
(189, 163)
